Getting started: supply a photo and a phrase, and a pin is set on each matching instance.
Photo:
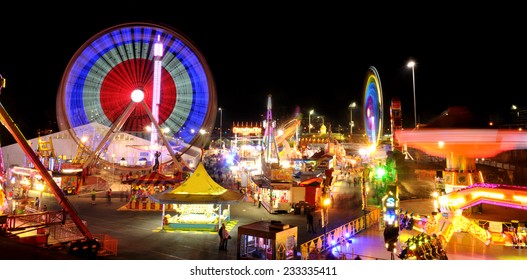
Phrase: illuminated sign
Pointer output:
(390, 209)
(281, 174)
(488, 194)
(247, 130)
(390, 202)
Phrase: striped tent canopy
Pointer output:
(154, 178)
(199, 188)
(313, 182)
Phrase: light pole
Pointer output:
(411, 64)
(309, 126)
(221, 123)
(326, 202)
(352, 105)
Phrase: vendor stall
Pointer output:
(200, 203)
(312, 189)
(266, 240)
(141, 188)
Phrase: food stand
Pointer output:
(141, 188)
(275, 188)
(200, 203)
(267, 240)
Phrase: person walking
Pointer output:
(226, 237)
(109, 195)
(93, 195)
(259, 201)
(220, 234)
(309, 218)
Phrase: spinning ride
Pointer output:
(177, 89)
(454, 137)
(461, 145)
(373, 106)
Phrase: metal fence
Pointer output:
(108, 245)
(62, 233)
(313, 248)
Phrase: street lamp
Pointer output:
(411, 64)
(351, 106)
(221, 123)
(309, 126)
(325, 203)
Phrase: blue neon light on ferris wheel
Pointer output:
(109, 66)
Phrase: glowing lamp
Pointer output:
(137, 95)
(326, 202)
(39, 186)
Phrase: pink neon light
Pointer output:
(470, 143)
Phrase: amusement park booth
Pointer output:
(312, 189)
(142, 187)
(275, 188)
(199, 203)
(267, 240)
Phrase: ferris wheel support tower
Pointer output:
(156, 93)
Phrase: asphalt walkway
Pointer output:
(140, 236)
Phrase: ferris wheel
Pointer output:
(373, 107)
(137, 81)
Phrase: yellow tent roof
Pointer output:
(199, 188)
(199, 182)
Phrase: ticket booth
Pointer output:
(267, 240)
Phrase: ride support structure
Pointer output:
(21, 140)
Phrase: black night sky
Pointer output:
(306, 57)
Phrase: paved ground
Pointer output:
(139, 236)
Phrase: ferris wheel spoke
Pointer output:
(116, 126)
(165, 142)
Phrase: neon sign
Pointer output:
(247, 130)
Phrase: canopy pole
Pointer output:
(163, 218)
(219, 218)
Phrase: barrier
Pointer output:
(147, 205)
(313, 248)
(84, 248)
(107, 245)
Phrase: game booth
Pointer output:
(267, 240)
(142, 187)
(199, 203)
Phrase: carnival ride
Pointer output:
(460, 147)
(47, 177)
(128, 61)
(453, 203)
(373, 106)
(460, 137)
(288, 131)
(275, 142)
(123, 81)
(464, 184)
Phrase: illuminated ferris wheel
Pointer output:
(373, 107)
(174, 96)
